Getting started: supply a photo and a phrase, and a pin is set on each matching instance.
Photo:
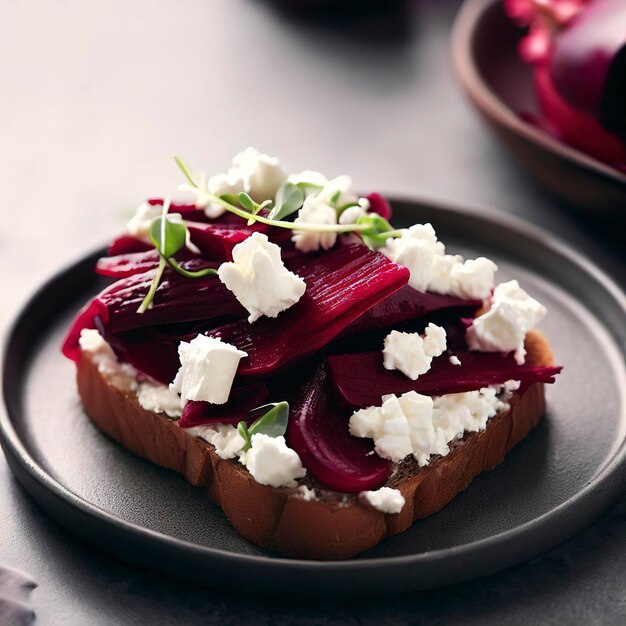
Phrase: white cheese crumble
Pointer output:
(416, 250)
(225, 438)
(512, 385)
(503, 328)
(401, 426)
(252, 171)
(159, 398)
(320, 208)
(207, 370)
(259, 279)
(315, 211)
(423, 426)
(454, 360)
(384, 499)
(139, 224)
(353, 213)
(432, 270)
(306, 493)
(271, 462)
(412, 354)
(120, 375)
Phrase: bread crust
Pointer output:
(334, 526)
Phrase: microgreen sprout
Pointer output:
(168, 237)
(270, 221)
(273, 422)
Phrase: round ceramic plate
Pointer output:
(484, 51)
(558, 480)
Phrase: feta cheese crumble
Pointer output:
(139, 224)
(416, 250)
(412, 354)
(271, 462)
(120, 375)
(321, 207)
(225, 438)
(401, 426)
(252, 171)
(384, 499)
(207, 370)
(159, 398)
(423, 426)
(454, 360)
(259, 279)
(353, 213)
(503, 328)
(432, 270)
(317, 212)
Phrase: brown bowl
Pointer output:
(499, 84)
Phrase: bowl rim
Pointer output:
(490, 104)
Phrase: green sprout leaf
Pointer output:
(168, 237)
(242, 427)
(289, 199)
(377, 232)
(259, 207)
(246, 201)
(273, 422)
(186, 170)
(230, 198)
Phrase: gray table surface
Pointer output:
(97, 97)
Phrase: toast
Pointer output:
(334, 525)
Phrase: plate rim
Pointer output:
(608, 482)
(487, 101)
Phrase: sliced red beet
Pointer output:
(318, 432)
(126, 244)
(379, 205)
(244, 397)
(217, 242)
(87, 318)
(409, 304)
(177, 299)
(149, 351)
(125, 265)
(340, 286)
(361, 379)
(129, 264)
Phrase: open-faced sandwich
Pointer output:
(328, 379)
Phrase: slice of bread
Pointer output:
(335, 525)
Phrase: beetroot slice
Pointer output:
(178, 299)
(125, 265)
(128, 264)
(361, 380)
(126, 244)
(243, 398)
(408, 304)
(341, 285)
(318, 432)
(379, 205)
(87, 318)
(217, 242)
(153, 353)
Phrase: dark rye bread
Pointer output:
(335, 526)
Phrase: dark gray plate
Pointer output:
(561, 478)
